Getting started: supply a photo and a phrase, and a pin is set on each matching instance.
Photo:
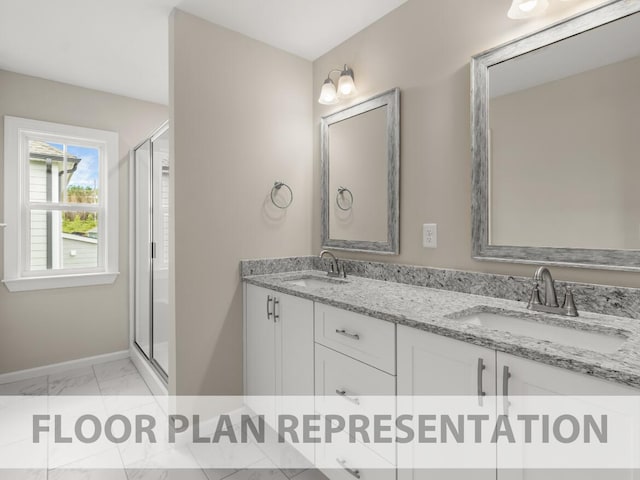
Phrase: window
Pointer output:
(61, 205)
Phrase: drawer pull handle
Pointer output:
(344, 333)
(351, 471)
(269, 300)
(506, 375)
(481, 368)
(343, 394)
(276, 302)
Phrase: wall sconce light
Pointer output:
(346, 87)
(528, 8)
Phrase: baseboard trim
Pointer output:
(61, 367)
(157, 386)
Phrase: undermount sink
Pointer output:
(589, 340)
(310, 281)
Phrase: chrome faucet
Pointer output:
(550, 305)
(544, 275)
(334, 269)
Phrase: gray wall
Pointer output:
(424, 47)
(242, 114)
(39, 328)
(245, 115)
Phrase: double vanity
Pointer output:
(541, 183)
(308, 333)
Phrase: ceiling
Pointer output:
(121, 46)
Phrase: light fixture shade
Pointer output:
(527, 8)
(328, 95)
(346, 85)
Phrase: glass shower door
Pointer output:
(142, 246)
(151, 212)
(160, 257)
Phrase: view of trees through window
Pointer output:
(80, 223)
(64, 181)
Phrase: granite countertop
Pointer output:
(438, 311)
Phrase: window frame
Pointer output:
(18, 205)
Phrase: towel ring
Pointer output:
(341, 193)
(274, 191)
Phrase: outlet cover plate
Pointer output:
(430, 235)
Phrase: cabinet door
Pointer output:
(259, 352)
(526, 381)
(294, 345)
(293, 323)
(432, 365)
(278, 343)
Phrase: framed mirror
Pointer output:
(556, 144)
(360, 155)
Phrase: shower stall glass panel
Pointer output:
(142, 247)
(151, 217)
(160, 254)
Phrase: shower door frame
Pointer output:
(133, 276)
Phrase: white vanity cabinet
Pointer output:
(355, 357)
(335, 357)
(528, 378)
(278, 345)
(430, 364)
(524, 380)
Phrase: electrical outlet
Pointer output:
(429, 235)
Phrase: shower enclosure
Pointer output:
(150, 249)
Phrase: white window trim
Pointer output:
(15, 129)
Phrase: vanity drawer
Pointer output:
(343, 460)
(336, 372)
(345, 386)
(367, 339)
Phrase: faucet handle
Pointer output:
(534, 299)
(569, 305)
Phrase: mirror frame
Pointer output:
(480, 64)
(391, 100)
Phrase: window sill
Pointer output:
(63, 281)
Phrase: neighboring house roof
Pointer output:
(41, 151)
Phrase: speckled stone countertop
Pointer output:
(438, 311)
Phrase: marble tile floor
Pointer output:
(115, 378)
